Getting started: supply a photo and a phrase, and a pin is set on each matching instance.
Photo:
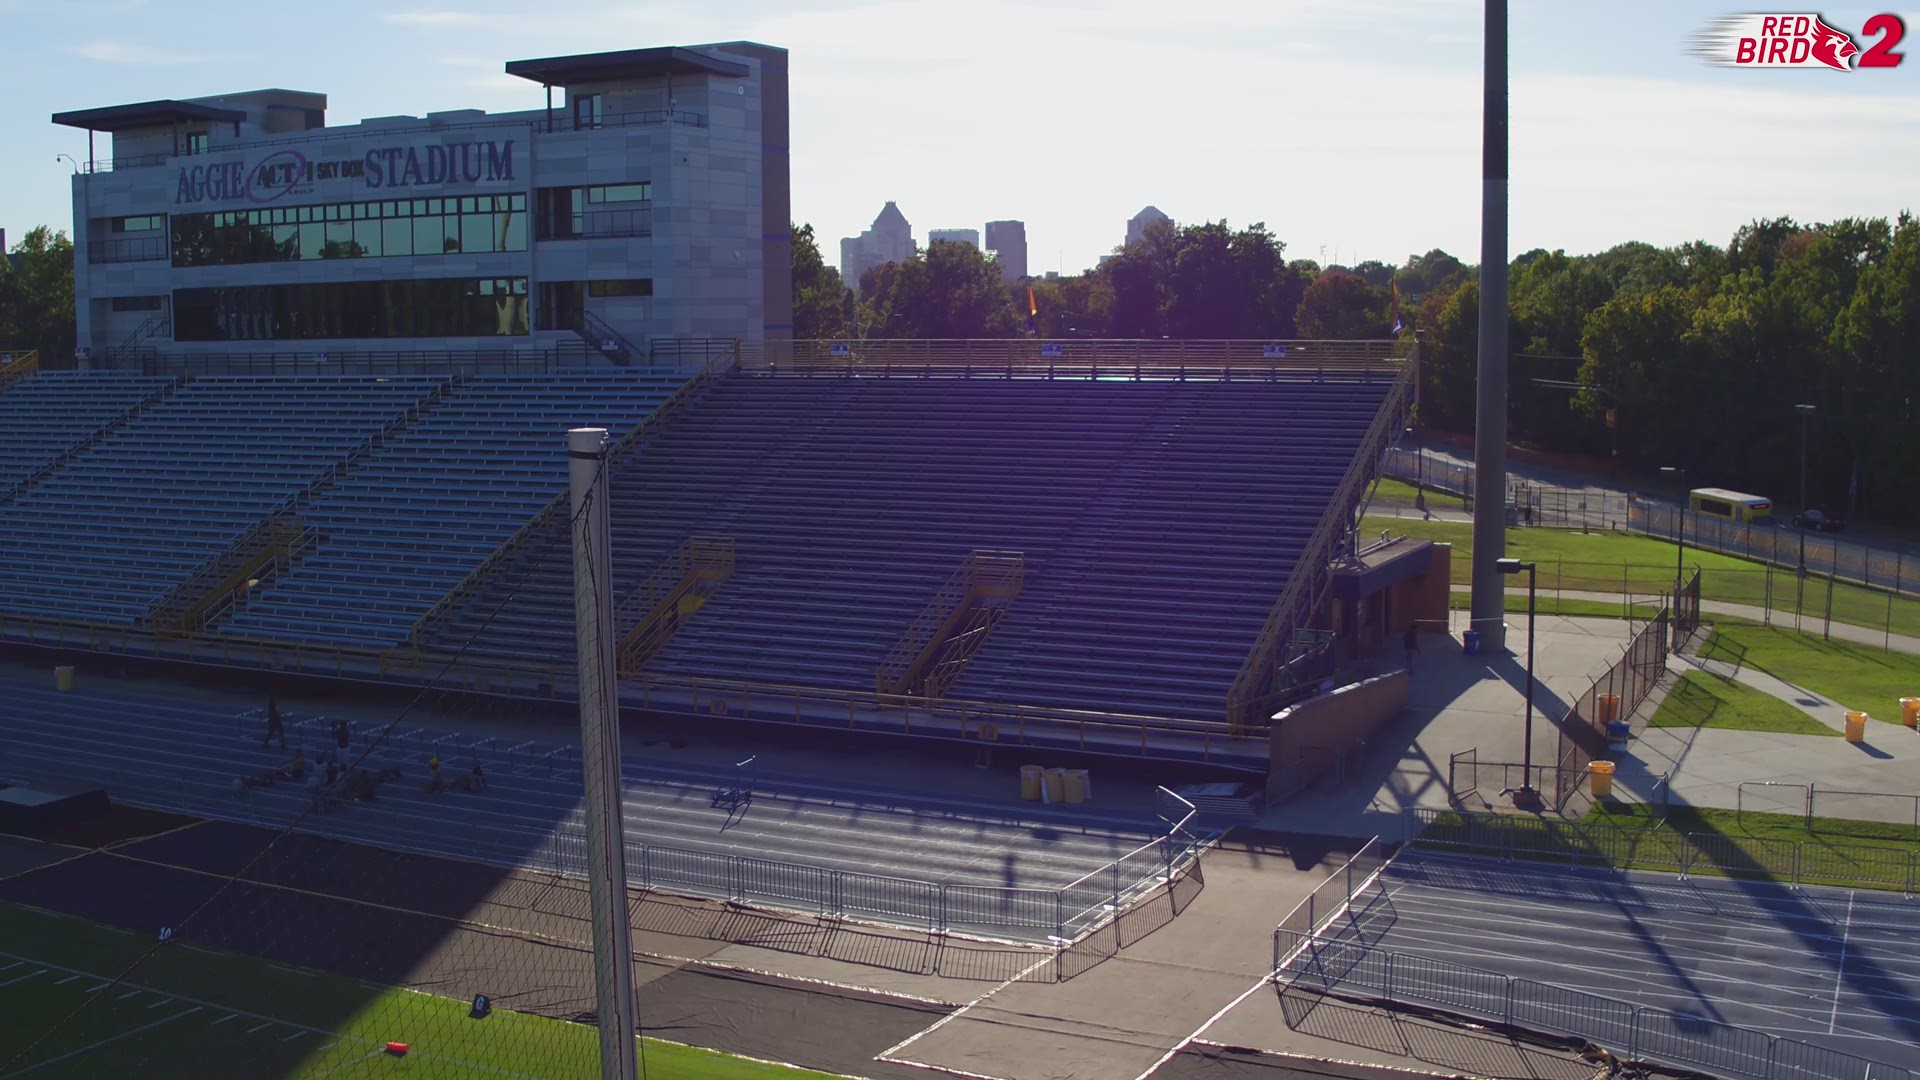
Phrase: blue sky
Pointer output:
(1352, 127)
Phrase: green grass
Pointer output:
(1724, 843)
(190, 1012)
(1400, 493)
(1856, 676)
(1617, 562)
(1702, 700)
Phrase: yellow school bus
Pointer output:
(1730, 505)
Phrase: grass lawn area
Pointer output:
(188, 1012)
(1400, 493)
(1837, 851)
(1853, 854)
(1617, 562)
(1854, 675)
(1701, 700)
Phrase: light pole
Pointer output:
(1680, 534)
(1526, 789)
(1805, 411)
(1419, 473)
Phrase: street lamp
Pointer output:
(1805, 411)
(68, 158)
(1525, 790)
(1680, 534)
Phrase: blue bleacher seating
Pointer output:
(415, 517)
(1159, 521)
(107, 534)
(51, 413)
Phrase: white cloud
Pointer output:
(124, 52)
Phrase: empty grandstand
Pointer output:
(1113, 555)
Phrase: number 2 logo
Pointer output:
(1889, 29)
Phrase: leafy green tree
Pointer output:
(947, 291)
(822, 304)
(1424, 274)
(36, 294)
(1341, 305)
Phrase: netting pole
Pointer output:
(600, 752)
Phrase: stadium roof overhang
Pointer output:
(628, 64)
(146, 114)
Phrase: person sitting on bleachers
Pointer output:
(474, 782)
(295, 767)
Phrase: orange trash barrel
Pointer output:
(1056, 785)
(1609, 707)
(1601, 782)
(1856, 726)
(1030, 782)
(63, 677)
(1077, 785)
(1910, 711)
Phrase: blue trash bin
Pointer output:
(1471, 640)
(1619, 732)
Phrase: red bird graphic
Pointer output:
(1832, 47)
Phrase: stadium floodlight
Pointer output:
(1525, 791)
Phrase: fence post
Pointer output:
(1807, 817)
(1766, 599)
(1116, 886)
(1826, 628)
(1059, 918)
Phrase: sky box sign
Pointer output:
(282, 173)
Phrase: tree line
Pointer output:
(1691, 356)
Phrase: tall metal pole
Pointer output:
(1526, 768)
(600, 753)
(1804, 411)
(1490, 415)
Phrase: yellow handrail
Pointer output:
(698, 559)
(15, 366)
(676, 401)
(983, 574)
(1038, 355)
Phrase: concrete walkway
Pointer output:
(1707, 766)
(1458, 703)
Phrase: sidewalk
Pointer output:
(1455, 703)
(1706, 766)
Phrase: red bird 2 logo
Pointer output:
(1758, 40)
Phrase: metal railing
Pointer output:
(1056, 915)
(1615, 695)
(597, 225)
(129, 249)
(1252, 693)
(1120, 358)
(396, 362)
(1776, 542)
(1847, 812)
(1595, 843)
(17, 365)
(539, 121)
(1632, 1032)
(676, 402)
(1330, 899)
(1468, 776)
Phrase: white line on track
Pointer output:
(1840, 970)
(887, 1054)
(24, 978)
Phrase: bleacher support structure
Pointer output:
(951, 628)
(671, 595)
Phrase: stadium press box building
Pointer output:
(645, 205)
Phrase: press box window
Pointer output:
(139, 303)
(616, 193)
(147, 223)
(196, 142)
(621, 287)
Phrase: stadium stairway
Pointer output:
(415, 517)
(108, 533)
(1159, 520)
(178, 756)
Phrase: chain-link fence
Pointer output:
(1613, 696)
(1634, 1032)
(1777, 542)
(1597, 843)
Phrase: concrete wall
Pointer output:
(1335, 722)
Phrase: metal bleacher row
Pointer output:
(403, 528)
(108, 533)
(53, 413)
(1159, 520)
